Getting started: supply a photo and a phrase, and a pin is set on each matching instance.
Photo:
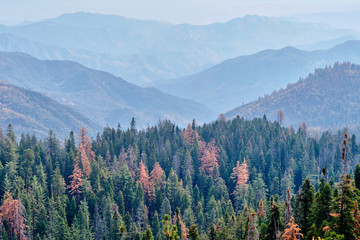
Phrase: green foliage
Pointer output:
(304, 203)
(113, 205)
(357, 176)
(193, 233)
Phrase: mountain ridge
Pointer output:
(327, 99)
(104, 98)
(179, 50)
(33, 112)
(245, 78)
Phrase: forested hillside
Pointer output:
(327, 99)
(245, 78)
(33, 112)
(235, 179)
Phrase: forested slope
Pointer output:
(234, 179)
(327, 99)
(34, 112)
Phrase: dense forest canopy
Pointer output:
(235, 179)
(327, 99)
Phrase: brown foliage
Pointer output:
(76, 181)
(190, 135)
(85, 154)
(12, 212)
(221, 117)
(261, 213)
(241, 174)
(184, 230)
(210, 158)
(144, 179)
(156, 174)
(292, 232)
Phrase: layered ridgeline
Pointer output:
(137, 68)
(104, 98)
(34, 113)
(235, 179)
(327, 99)
(243, 79)
(144, 51)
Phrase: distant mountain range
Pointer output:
(245, 78)
(104, 98)
(334, 19)
(327, 99)
(34, 113)
(144, 52)
(139, 69)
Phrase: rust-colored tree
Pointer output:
(85, 154)
(12, 213)
(261, 213)
(76, 181)
(221, 117)
(292, 232)
(144, 179)
(191, 135)
(210, 158)
(241, 174)
(180, 224)
(156, 174)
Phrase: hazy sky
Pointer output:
(173, 11)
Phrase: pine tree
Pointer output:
(190, 135)
(27, 162)
(305, 202)
(165, 208)
(146, 184)
(261, 213)
(37, 209)
(292, 232)
(76, 181)
(155, 226)
(344, 219)
(274, 227)
(241, 174)
(210, 158)
(182, 230)
(322, 205)
(167, 230)
(119, 199)
(118, 229)
(84, 221)
(288, 210)
(157, 174)
(193, 233)
(148, 235)
(58, 186)
(12, 213)
(357, 176)
(85, 153)
(252, 232)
